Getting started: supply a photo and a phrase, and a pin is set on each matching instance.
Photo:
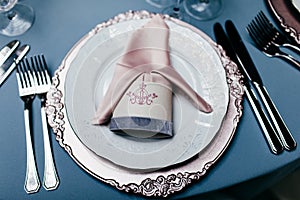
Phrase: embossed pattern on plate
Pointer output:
(173, 178)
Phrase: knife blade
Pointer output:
(252, 73)
(10, 64)
(7, 51)
(273, 140)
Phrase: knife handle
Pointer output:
(273, 140)
(286, 137)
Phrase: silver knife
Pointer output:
(273, 140)
(7, 51)
(10, 64)
(252, 73)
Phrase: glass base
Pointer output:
(176, 12)
(173, 11)
(161, 3)
(16, 21)
(203, 9)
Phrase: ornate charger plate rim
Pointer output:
(286, 14)
(159, 183)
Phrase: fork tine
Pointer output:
(268, 26)
(38, 66)
(261, 36)
(34, 74)
(45, 67)
(29, 73)
(267, 29)
(23, 76)
(36, 70)
(262, 27)
(18, 75)
(252, 30)
(41, 69)
(263, 21)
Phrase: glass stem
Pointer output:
(176, 9)
(11, 14)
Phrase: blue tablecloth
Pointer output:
(58, 26)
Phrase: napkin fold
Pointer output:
(139, 97)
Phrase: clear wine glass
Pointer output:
(161, 3)
(15, 18)
(175, 10)
(203, 9)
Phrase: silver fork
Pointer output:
(274, 35)
(27, 93)
(43, 83)
(266, 46)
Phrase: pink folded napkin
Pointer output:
(142, 81)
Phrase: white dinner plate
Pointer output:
(296, 4)
(91, 72)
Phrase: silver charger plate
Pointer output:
(288, 18)
(65, 118)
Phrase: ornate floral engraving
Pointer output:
(289, 29)
(234, 79)
(141, 96)
(169, 182)
(287, 20)
(54, 106)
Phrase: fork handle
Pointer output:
(32, 183)
(292, 47)
(289, 58)
(50, 181)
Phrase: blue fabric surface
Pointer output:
(58, 26)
